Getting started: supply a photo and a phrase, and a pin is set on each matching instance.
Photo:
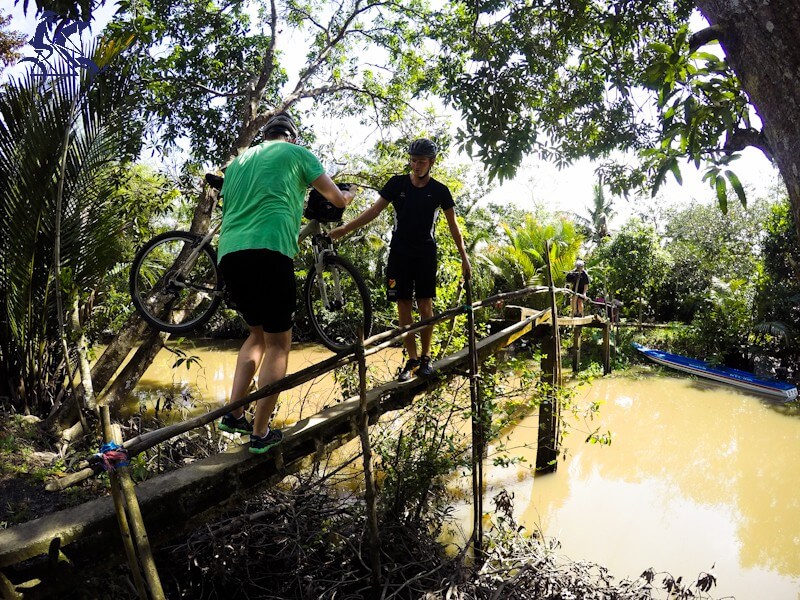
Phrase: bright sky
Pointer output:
(569, 190)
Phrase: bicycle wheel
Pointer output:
(345, 305)
(168, 299)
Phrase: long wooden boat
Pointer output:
(743, 379)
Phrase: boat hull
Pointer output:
(735, 377)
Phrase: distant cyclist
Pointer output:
(411, 268)
(263, 198)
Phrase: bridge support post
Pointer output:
(547, 447)
(369, 480)
(477, 432)
(607, 348)
(576, 348)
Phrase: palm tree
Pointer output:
(600, 212)
(520, 261)
(64, 142)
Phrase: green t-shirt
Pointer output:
(263, 197)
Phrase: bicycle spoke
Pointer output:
(338, 304)
(172, 294)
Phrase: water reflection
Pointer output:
(697, 475)
(204, 383)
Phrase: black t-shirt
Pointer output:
(415, 212)
(580, 281)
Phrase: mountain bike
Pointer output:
(176, 285)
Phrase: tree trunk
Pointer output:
(762, 43)
(135, 329)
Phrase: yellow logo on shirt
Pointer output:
(392, 283)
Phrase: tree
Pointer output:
(704, 245)
(636, 264)
(582, 79)
(519, 262)
(64, 142)
(10, 42)
(600, 212)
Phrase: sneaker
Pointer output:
(425, 368)
(407, 372)
(231, 424)
(259, 445)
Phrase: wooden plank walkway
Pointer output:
(178, 501)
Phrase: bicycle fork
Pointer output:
(337, 302)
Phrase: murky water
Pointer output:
(203, 383)
(698, 475)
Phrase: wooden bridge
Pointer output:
(38, 556)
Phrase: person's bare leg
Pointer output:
(405, 317)
(425, 306)
(247, 363)
(273, 368)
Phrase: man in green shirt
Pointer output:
(263, 194)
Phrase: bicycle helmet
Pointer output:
(281, 124)
(422, 147)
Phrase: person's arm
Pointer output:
(455, 231)
(325, 186)
(367, 215)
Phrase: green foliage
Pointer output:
(519, 262)
(777, 301)
(417, 458)
(586, 79)
(211, 73)
(594, 226)
(63, 142)
(722, 328)
(10, 43)
(705, 243)
(637, 264)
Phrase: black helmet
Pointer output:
(422, 147)
(281, 124)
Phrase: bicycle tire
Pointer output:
(168, 308)
(337, 329)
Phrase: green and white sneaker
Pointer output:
(231, 424)
(260, 445)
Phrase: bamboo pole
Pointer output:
(140, 535)
(477, 433)
(369, 480)
(119, 508)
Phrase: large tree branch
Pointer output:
(740, 139)
(704, 36)
(192, 83)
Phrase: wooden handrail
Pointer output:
(374, 344)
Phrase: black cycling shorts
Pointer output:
(261, 284)
(409, 277)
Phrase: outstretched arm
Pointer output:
(455, 231)
(325, 186)
(365, 217)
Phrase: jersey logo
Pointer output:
(392, 283)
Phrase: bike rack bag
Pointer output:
(319, 208)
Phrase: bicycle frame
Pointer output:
(322, 247)
(176, 279)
